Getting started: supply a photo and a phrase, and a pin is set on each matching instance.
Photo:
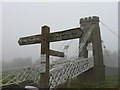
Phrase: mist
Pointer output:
(24, 19)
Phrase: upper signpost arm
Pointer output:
(53, 37)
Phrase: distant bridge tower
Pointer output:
(97, 73)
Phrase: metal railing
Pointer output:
(59, 73)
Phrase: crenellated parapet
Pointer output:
(92, 19)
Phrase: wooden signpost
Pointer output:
(96, 74)
(45, 38)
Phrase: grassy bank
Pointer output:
(110, 82)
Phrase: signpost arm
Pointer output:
(44, 77)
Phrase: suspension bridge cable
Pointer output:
(108, 54)
(110, 29)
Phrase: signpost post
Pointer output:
(45, 38)
(44, 78)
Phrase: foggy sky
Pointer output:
(24, 19)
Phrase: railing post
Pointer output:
(17, 78)
(44, 76)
